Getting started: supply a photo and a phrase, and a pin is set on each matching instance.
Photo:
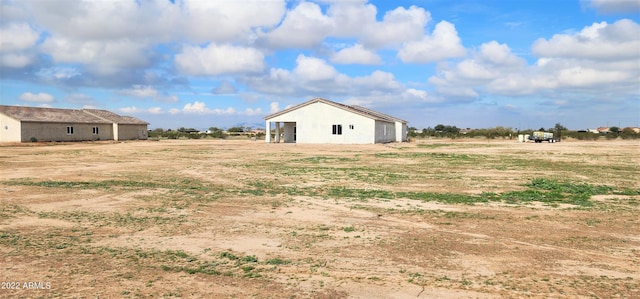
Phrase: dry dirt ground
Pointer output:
(242, 219)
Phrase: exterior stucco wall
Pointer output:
(385, 132)
(314, 124)
(58, 131)
(401, 132)
(132, 132)
(9, 129)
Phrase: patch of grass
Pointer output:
(359, 193)
(348, 229)
(107, 184)
(277, 261)
(13, 210)
(449, 198)
(325, 159)
(250, 259)
(114, 219)
(418, 155)
(539, 190)
(229, 255)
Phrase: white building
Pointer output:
(324, 121)
(24, 124)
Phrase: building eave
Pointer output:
(353, 109)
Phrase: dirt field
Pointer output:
(242, 219)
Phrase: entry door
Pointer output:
(294, 133)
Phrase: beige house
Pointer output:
(25, 124)
(323, 121)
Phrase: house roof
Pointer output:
(353, 109)
(115, 118)
(56, 115)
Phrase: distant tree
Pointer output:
(613, 133)
(216, 132)
(412, 132)
(542, 129)
(187, 130)
(157, 132)
(427, 132)
(439, 128)
(236, 129)
(451, 129)
(559, 128)
(629, 133)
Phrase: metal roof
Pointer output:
(354, 109)
(56, 115)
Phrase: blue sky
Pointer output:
(477, 64)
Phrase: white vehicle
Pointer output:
(539, 136)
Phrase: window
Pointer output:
(337, 129)
(69, 130)
(351, 127)
(95, 130)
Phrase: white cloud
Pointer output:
(36, 98)
(493, 65)
(130, 110)
(499, 54)
(378, 80)
(100, 57)
(135, 110)
(219, 59)
(589, 77)
(16, 60)
(584, 63)
(252, 111)
(147, 91)
(614, 6)
(443, 43)
(196, 107)
(108, 37)
(600, 41)
(17, 37)
(277, 82)
(397, 26)
(314, 69)
(229, 21)
(407, 96)
(58, 73)
(16, 45)
(356, 54)
(304, 26)
(107, 20)
(314, 77)
(201, 108)
(351, 17)
(274, 107)
(225, 87)
(80, 98)
(155, 110)
(140, 91)
(166, 98)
